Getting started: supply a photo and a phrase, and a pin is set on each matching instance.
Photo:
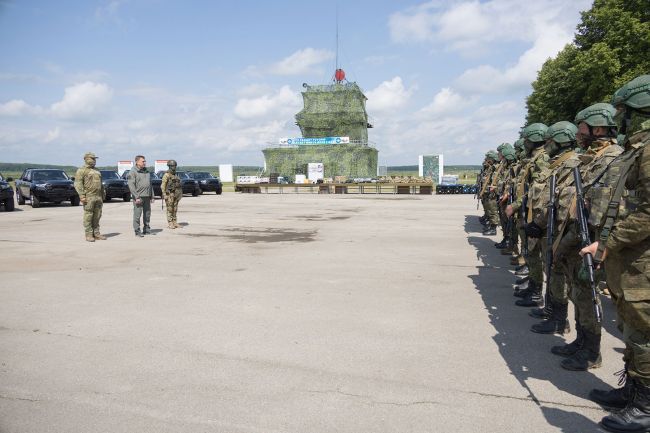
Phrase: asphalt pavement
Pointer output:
(278, 313)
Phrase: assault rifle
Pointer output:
(550, 228)
(585, 240)
(524, 216)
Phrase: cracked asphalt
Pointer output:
(277, 313)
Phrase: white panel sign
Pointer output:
(315, 171)
(300, 178)
(160, 165)
(225, 172)
(123, 166)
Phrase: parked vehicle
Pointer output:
(6, 193)
(40, 185)
(207, 182)
(190, 186)
(114, 186)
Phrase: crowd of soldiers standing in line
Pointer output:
(572, 201)
(88, 183)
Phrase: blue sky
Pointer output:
(210, 82)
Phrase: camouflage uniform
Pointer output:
(173, 192)
(490, 197)
(88, 183)
(530, 173)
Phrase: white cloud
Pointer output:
(82, 101)
(389, 95)
(18, 107)
(301, 62)
(283, 100)
(446, 101)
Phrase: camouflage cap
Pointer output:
(600, 114)
(561, 132)
(635, 94)
(534, 132)
(89, 155)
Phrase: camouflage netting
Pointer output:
(340, 159)
(336, 110)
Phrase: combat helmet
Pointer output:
(501, 146)
(600, 114)
(171, 163)
(561, 132)
(534, 132)
(635, 94)
(509, 153)
(491, 154)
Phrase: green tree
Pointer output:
(611, 47)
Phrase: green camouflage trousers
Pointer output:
(534, 260)
(580, 293)
(491, 210)
(171, 201)
(629, 281)
(92, 214)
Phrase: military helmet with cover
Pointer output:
(561, 132)
(509, 153)
(501, 146)
(534, 132)
(600, 114)
(635, 94)
(491, 154)
(171, 163)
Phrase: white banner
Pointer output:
(225, 172)
(311, 141)
(160, 165)
(123, 166)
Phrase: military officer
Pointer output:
(172, 193)
(88, 183)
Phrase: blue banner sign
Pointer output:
(306, 141)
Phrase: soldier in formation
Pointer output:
(573, 206)
(172, 193)
(88, 183)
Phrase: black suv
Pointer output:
(6, 193)
(45, 185)
(207, 182)
(190, 186)
(114, 186)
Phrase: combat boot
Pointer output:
(171, 225)
(490, 230)
(177, 225)
(635, 417)
(570, 349)
(90, 237)
(502, 244)
(522, 280)
(587, 357)
(534, 298)
(523, 270)
(522, 290)
(616, 398)
(482, 219)
(557, 323)
(99, 237)
(543, 313)
(515, 261)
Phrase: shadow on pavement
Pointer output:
(528, 354)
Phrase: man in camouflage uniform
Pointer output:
(88, 183)
(172, 192)
(518, 258)
(596, 132)
(624, 246)
(533, 135)
(507, 152)
(488, 194)
(560, 145)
